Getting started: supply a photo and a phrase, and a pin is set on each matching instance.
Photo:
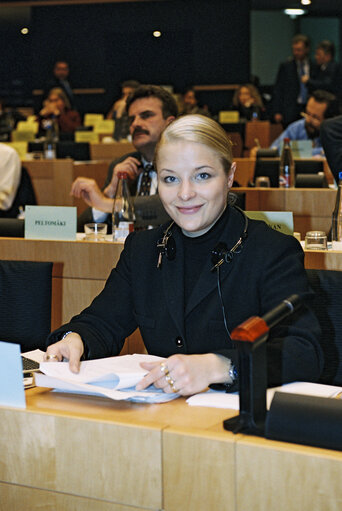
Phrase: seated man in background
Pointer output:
(10, 174)
(190, 104)
(331, 136)
(150, 109)
(321, 105)
(118, 111)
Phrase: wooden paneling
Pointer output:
(84, 452)
(278, 477)
(109, 152)
(14, 497)
(193, 466)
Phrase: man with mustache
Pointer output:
(150, 109)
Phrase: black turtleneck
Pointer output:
(196, 253)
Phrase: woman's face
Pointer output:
(192, 184)
(58, 102)
(245, 97)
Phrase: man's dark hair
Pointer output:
(327, 47)
(323, 96)
(133, 84)
(301, 38)
(169, 105)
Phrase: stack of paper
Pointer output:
(114, 377)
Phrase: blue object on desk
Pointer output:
(11, 376)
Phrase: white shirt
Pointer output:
(10, 174)
(100, 216)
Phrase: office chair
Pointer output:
(327, 305)
(12, 228)
(25, 196)
(25, 303)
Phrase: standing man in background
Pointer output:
(325, 73)
(60, 79)
(290, 92)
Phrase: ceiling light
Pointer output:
(305, 2)
(293, 13)
(156, 33)
(24, 31)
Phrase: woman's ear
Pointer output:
(231, 174)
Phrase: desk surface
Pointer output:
(96, 454)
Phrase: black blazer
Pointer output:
(268, 269)
(286, 91)
(325, 79)
(331, 138)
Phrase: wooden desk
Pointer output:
(312, 208)
(86, 266)
(110, 152)
(71, 452)
(52, 179)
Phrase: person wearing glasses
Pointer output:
(320, 106)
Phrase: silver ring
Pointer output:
(51, 357)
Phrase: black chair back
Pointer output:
(327, 305)
(25, 196)
(25, 303)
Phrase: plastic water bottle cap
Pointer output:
(340, 175)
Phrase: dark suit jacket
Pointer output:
(324, 79)
(54, 82)
(286, 91)
(268, 269)
(148, 210)
(331, 138)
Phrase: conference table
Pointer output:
(312, 208)
(67, 452)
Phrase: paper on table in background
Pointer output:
(281, 221)
(113, 377)
(218, 399)
(301, 148)
(11, 376)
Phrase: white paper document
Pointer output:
(219, 399)
(113, 377)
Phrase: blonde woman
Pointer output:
(166, 285)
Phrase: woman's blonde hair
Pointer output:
(253, 92)
(201, 130)
(61, 94)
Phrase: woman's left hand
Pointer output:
(185, 374)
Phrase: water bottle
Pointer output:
(51, 138)
(336, 227)
(123, 211)
(286, 166)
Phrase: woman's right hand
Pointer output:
(70, 348)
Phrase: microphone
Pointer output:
(286, 307)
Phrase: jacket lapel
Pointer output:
(173, 283)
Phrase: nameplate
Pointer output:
(228, 116)
(11, 376)
(301, 148)
(50, 222)
(281, 221)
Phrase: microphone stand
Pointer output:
(250, 338)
